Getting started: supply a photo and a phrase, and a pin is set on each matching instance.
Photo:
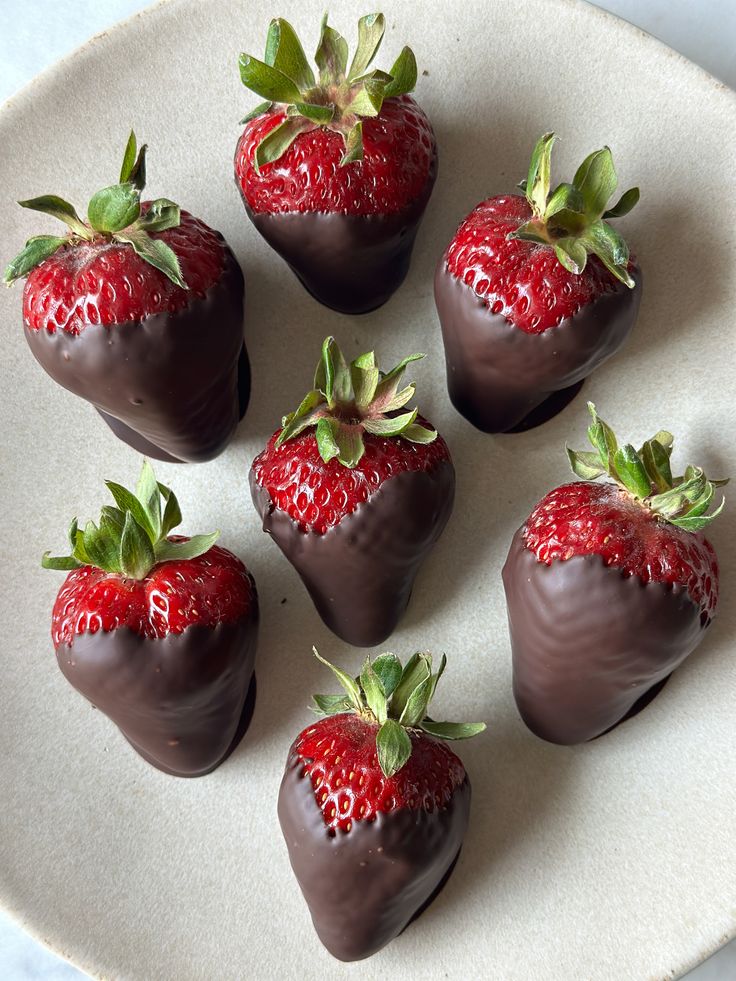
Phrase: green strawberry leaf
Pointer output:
(571, 254)
(416, 433)
(353, 145)
(114, 208)
(103, 551)
(50, 204)
(128, 502)
(61, 563)
(538, 178)
(162, 214)
(394, 747)
(285, 53)
(351, 686)
(325, 705)
(585, 465)
(136, 551)
(267, 81)
(172, 512)
(331, 55)
(596, 180)
(259, 110)
(278, 141)
(632, 472)
(416, 670)
(155, 252)
(180, 551)
(133, 170)
(624, 205)
(36, 251)
(388, 668)
(391, 425)
(375, 695)
(452, 730)
(370, 34)
(403, 74)
(321, 115)
(149, 496)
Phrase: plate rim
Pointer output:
(16, 102)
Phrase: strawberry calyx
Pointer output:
(348, 401)
(573, 219)
(338, 99)
(113, 214)
(396, 699)
(646, 475)
(132, 537)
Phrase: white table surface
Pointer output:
(703, 30)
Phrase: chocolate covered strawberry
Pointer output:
(534, 293)
(336, 169)
(355, 489)
(158, 631)
(609, 586)
(374, 805)
(139, 309)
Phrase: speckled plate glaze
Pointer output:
(606, 861)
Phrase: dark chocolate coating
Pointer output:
(350, 263)
(178, 700)
(360, 573)
(364, 886)
(588, 642)
(498, 374)
(170, 381)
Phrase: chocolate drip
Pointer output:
(360, 573)
(350, 263)
(179, 700)
(497, 374)
(172, 385)
(589, 642)
(365, 885)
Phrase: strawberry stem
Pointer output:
(646, 475)
(339, 100)
(396, 698)
(132, 537)
(113, 214)
(572, 219)
(350, 400)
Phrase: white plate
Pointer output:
(612, 860)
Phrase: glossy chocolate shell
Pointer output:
(497, 374)
(588, 642)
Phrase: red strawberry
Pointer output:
(373, 805)
(534, 293)
(158, 631)
(140, 311)
(609, 587)
(336, 172)
(355, 492)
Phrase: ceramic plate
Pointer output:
(607, 861)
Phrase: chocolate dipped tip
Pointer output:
(360, 572)
(350, 263)
(588, 642)
(501, 378)
(182, 701)
(364, 886)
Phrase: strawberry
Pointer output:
(534, 293)
(374, 805)
(158, 630)
(336, 171)
(609, 586)
(140, 311)
(355, 492)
